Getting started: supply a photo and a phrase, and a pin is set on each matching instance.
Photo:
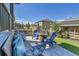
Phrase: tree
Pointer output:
(56, 26)
(28, 25)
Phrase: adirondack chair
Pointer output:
(50, 40)
(19, 46)
(35, 34)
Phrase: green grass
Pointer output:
(68, 44)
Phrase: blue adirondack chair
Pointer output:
(15, 40)
(35, 34)
(50, 40)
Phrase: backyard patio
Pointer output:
(44, 37)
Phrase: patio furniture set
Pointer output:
(18, 47)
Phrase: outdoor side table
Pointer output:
(42, 36)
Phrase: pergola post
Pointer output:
(12, 14)
(74, 32)
(0, 17)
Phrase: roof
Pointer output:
(70, 22)
(34, 25)
(44, 20)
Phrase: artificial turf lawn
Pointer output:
(68, 44)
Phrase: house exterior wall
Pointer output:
(33, 27)
(5, 18)
(45, 26)
(40, 23)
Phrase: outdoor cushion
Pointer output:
(15, 40)
(19, 46)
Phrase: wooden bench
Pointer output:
(5, 42)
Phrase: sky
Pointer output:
(33, 12)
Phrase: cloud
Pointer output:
(23, 21)
(60, 20)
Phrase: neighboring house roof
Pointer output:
(70, 22)
(34, 25)
(44, 20)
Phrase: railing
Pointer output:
(74, 35)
